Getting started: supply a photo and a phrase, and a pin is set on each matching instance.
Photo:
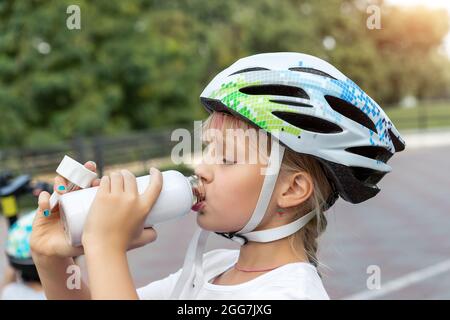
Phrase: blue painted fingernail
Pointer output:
(46, 212)
(61, 188)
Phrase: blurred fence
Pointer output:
(421, 120)
(426, 114)
(105, 151)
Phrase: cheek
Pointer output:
(240, 186)
(234, 196)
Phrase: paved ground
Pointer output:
(405, 231)
(406, 228)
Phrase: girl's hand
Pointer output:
(118, 212)
(47, 237)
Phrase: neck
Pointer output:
(258, 255)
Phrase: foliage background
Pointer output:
(142, 64)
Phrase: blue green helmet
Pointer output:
(18, 242)
(314, 109)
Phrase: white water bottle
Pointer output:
(179, 195)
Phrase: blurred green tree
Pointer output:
(142, 64)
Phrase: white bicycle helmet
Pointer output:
(309, 106)
(314, 109)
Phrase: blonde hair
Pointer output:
(306, 238)
(309, 234)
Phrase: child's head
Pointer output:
(336, 142)
(233, 182)
(18, 248)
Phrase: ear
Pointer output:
(295, 189)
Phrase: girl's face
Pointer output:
(232, 186)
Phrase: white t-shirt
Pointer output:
(297, 280)
(20, 291)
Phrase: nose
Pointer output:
(204, 172)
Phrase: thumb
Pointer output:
(146, 236)
(151, 194)
(43, 210)
(43, 201)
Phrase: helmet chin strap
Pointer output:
(191, 278)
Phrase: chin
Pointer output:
(201, 221)
(204, 223)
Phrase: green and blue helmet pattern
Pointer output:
(18, 242)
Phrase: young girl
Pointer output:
(324, 138)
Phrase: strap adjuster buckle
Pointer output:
(230, 235)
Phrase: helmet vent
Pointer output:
(350, 111)
(307, 122)
(249, 70)
(214, 105)
(398, 145)
(372, 152)
(313, 71)
(292, 103)
(276, 90)
(367, 175)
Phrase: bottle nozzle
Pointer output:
(198, 189)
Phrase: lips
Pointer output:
(198, 206)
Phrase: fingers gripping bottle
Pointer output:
(179, 195)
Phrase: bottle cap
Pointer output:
(75, 173)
